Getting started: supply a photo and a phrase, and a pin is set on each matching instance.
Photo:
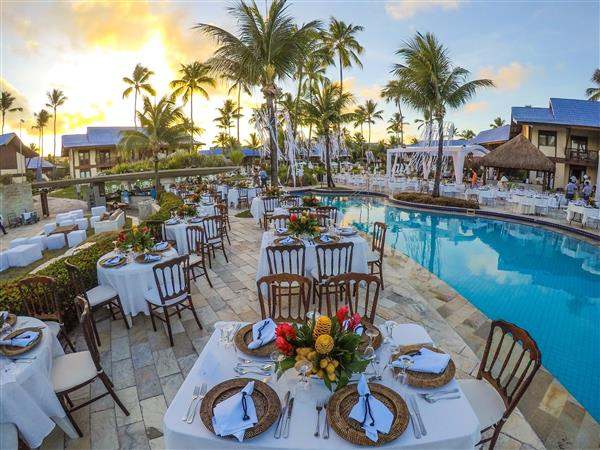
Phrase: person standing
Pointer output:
(586, 192)
(570, 189)
(263, 177)
(2, 225)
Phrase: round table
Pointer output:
(131, 281)
(27, 392)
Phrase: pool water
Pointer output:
(544, 281)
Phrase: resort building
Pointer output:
(492, 138)
(567, 131)
(13, 155)
(92, 152)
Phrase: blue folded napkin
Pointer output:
(426, 361)
(160, 246)
(281, 230)
(22, 340)
(151, 258)
(195, 219)
(372, 414)
(113, 261)
(263, 332)
(172, 221)
(325, 238)
(287, 241)
(236, 414)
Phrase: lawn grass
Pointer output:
(244, 214)
(69, 192)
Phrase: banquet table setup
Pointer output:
(28, 347)
(586, 214)
(233, 195)
(299, 412)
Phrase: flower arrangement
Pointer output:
(304, 223)
(310, 200)
(241, 184)
(201, 188)
(328, 343)
(186, 211)
(273, 191)
(137, 239)
(193, 198)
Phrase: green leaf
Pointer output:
(327, 383)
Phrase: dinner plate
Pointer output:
(423, 379)
(105, 261)
(13, 350)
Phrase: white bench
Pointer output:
(23, 255)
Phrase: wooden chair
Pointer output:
(157, 229)
(171, 291)
(100, 296)
(284, 297)
(279, 221)
(332, 260)
(223, 210)
(359, 291)
(510, 361)
(243, 198)
(290, 200)
(269, 205)
(375, 255)
(286, 259)
(195, 237)
(329, 212)
(38, 294)
(213, 237)
(72, 371)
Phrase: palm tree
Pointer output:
(6, 106)
(138, 83)
(393, 92)
(466, 134)
(240, 83)
(497, 123)
(163, 128)
(593, 93)
(340, 39)
(194, 77)
(324, 113)
(268, 46)
(56, 98)
(435, 84)
(315, 67)
(371, 114)
(222, 140)
(228, 112)
(253, 141)
(396, 126)
(41, 121)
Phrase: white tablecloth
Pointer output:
(450, 424)
(26, 389)
(585, 212)
(131, 281)
(359, 255)
(23, 255)
(257, 208)
(233, 195)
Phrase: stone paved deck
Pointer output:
(147, 372)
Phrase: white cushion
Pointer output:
(410, 333)
(18, 241)
(49, 228)
(39, 241)
(372, 256)
(23, 255)
(485, 401)
(71, 370)
(98, 210)
(8, 436)
(82, 224)
(153, 297)
(194, 259)
(76, 237)
(100, 294)
(94, 219)
(77, 214)
(55, 241)
(66, 223)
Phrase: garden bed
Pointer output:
(426, 199)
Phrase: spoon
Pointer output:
(241, 371)
(264, 367)
(437, 399)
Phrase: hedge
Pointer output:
(416, 197)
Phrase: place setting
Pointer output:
(20, 341)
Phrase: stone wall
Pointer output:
(14, 198)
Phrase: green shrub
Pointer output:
(177, 160)
(167, 201)
(416, 197)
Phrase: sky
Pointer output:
(533, 50)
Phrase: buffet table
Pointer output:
(451, 424)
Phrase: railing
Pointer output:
(577, 154)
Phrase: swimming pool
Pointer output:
(544, 281)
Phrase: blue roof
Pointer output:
(218, 151)
(33, 163)
(499, 134)
(561, 111)
(95, 136)
(6, 138)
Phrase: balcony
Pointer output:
(584, 157)
(105, 162)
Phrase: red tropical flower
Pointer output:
(286, 331)
(355, 321)
(341, 314)
(293, 217)
(283, 346)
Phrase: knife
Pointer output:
(280, 421)
(418, 413)
(413, 420)
(286, 426)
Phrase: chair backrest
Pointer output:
(85, 319)
(157, 229)
(270, 203)
(76, 277)
(290, 200)
(334, 259)
(330, 211)
(213, 227)
(286, 259)
(38, 294)
(299, 209)
(243, 193)
(222, 209)
(172, 278)
(287, 296)
(510, 360)
(378, 243)
(359, 291)
(194, 236)
(280, 220)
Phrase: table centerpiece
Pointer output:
(328, 343)
(137, 239)
(194, 197)
(184, 211)
(273, 192)
(310, 201)
(304, 224)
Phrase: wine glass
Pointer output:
(369, 355)
(303, 369)
(389, 329)
(371, 332)
(405, 363)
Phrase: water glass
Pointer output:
(389, 329)
(303, 369)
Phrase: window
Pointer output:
(547, 138)
(85, 173)
(84, 157)
(579, 143)
(103, 157)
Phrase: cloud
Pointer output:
(372, 92)
(404, 9)
(12, 119)
(507, 78)
(474, 107)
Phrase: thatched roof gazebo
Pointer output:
(519, 154)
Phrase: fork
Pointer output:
(318, 407)
(195, 395)
(199, 396)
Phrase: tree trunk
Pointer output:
(440, 154)
(238, 112)
(156, 178)
(401, 125)
(54, 150)
(341, 92)
(310, 124)
(192, 122)
(135, 109)
(297, 105)
(330, 183)
(3, 115)
(272, 138)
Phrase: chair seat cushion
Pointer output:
(100, 294)
(372, 256)
(485, 401)
(195, 259)
(71, 370)
(153, 297)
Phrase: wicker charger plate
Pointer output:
(332, 240)
(422, 379)
(266, 402)
(377, 340)
(103, 262)
(166, 249)
(11, 350)
(140, 259)
(342, 402)
(243, 338)
(278, 241)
